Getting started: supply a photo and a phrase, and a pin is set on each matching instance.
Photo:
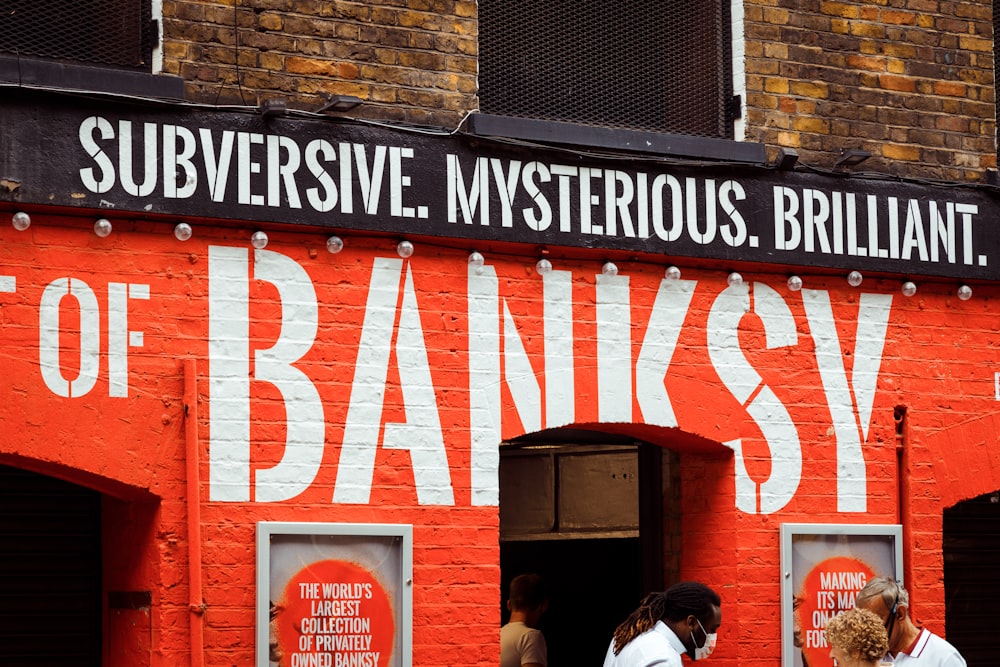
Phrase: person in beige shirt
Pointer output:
(521, 642)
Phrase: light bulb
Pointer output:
(794, 283)
(405, 249)
(964, 292)
(102, 227)
(476, 261)
(21, 221)
(672, 273)
(609, 269)
(334, 244)
(543, 266)
(182, 231)
(908, 288)
(854, 278)
(259, 240)
(734, 279)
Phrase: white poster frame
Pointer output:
(830, 540)
(344, 541)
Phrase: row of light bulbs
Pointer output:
(183, 231)
(334, 244)
(854, 278)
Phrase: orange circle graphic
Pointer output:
(333, 613)
(828, 589)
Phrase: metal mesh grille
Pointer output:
(117, 33)
(641, 64)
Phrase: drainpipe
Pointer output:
(196, 603)
(903, 491)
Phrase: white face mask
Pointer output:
(702, 652)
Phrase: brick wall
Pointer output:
(911, 82)
(410, 60)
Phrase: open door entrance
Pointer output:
(50, 571)
(587, 513)
(971, 542)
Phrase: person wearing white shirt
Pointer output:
(909, 644)
(685, 618)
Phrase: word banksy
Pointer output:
(633, 357)
(428, 189)
(629, 388)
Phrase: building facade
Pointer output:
(322, 321)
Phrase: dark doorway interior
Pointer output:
(592, 585)
(589, 516)
(50, 572)
(971, 543)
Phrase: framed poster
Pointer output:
(823, 566)
(334, 595)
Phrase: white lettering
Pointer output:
(421, 434)
(468, 200)
(314, 151)
(246, 166)
(282, 173)
(217, 166)
(175, 163)
(107, 168)
(850, 420)
(760, 401)
(543, 219)
(305, 425)
(614, 349)
(229, 374)
(49, 327)
(506, 185)
(398, 181)
(149, 159)
(120, 338)
(658, 345)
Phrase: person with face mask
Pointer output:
(685, 618)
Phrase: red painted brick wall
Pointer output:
(935, 362)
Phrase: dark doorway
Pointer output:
(589, 518)
(50, 571)
(971, 543)
(592, 585)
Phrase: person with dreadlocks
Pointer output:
(685, 618)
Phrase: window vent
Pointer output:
(637, 64)
(109, 33)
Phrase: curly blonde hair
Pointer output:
(858, 632)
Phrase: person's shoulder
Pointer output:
(533, 632)
(652, 649)
(946, 655)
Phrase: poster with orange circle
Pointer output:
(333, 600)
(829, 588)
(825, 567)
(333, 613)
